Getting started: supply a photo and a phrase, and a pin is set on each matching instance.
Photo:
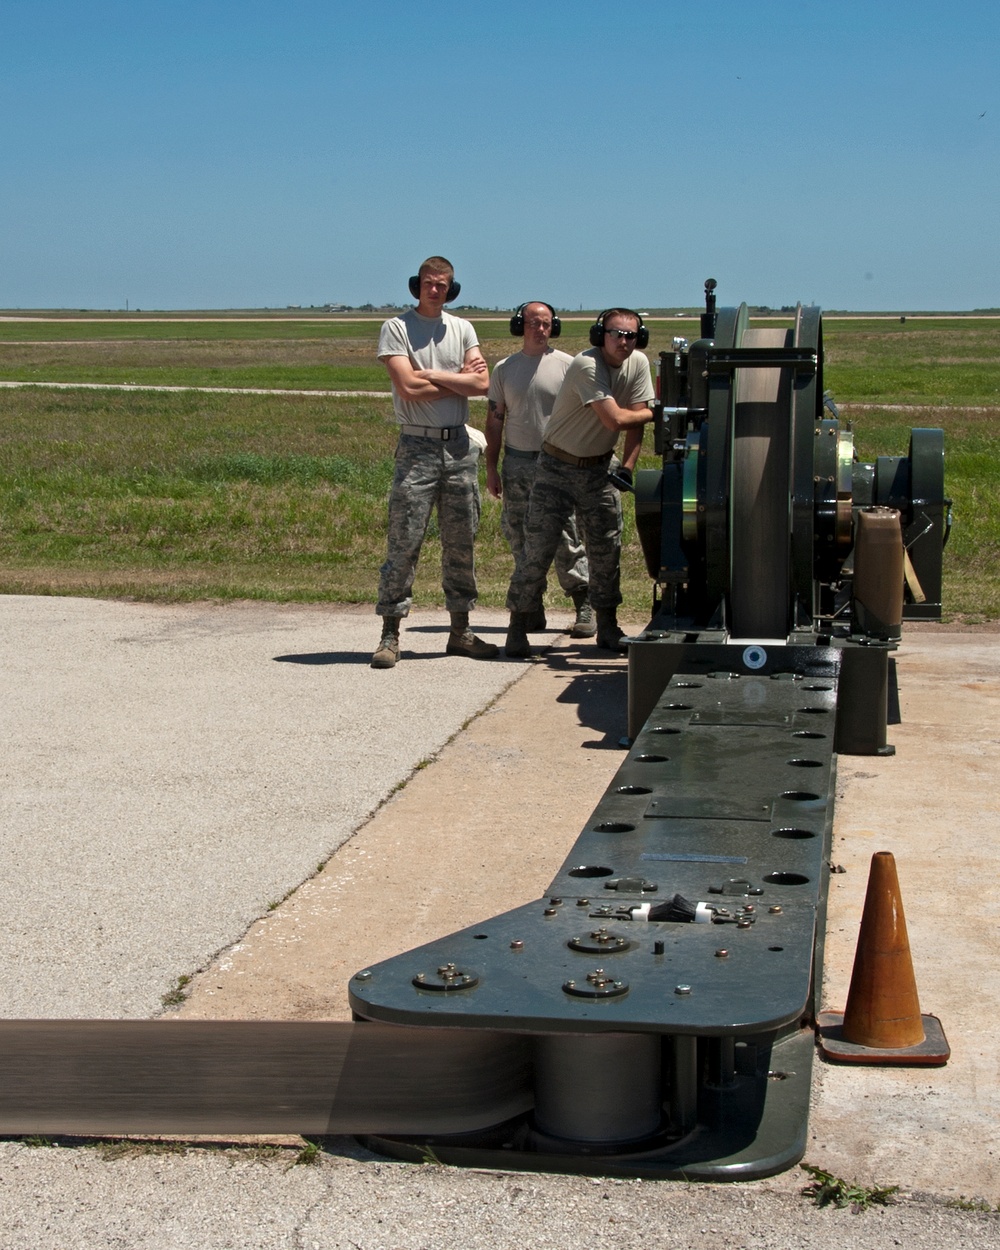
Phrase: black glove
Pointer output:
(621, 479)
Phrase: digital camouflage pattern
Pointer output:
(517, 474)
(431, 473)
(558, 489)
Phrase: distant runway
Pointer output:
(474, 316)
(222, 390)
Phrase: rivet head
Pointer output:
(517, 945)
(743, 924)
(722, 954)
(682, 989)
(775, 910)
(549, 911)
(363, 976)
(583, 902)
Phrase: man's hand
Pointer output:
(439, 376)
(493, 483)
(472, 379)
(413, 384)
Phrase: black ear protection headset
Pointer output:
(597, 329)
(453, 290)
(517, 321)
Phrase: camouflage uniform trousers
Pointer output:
(431, 473)
(517, 474)
(559, 489)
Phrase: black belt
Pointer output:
(520, 455)
(444, 432)
(578, 462)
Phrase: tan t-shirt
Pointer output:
(527, 386)
(430, 343)
(574, 426)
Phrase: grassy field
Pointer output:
(206, 494)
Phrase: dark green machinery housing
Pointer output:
(750, 529)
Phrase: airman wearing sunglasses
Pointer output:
(607, 390)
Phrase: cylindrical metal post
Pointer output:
(682, 1082)
(598, 1087)
(721, 1061)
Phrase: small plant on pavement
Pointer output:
(175, 996)
(308, 1156)
(826, 1189)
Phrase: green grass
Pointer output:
(274, 377)
(59, 330)
(187, 494)
(939, 362)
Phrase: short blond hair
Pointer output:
(436, 264)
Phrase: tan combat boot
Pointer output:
(387, 652)
(585, 625)
(462, 641)
(517, 646)
(609, 633)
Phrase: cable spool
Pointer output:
(759, 511)
(598, 1088)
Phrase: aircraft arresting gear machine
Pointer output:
(667, 981)
(652, 1014)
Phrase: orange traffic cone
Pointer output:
(882, 1023)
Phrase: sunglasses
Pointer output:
(629, 336)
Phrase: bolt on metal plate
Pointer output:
(446, 977)
(597, 984)
(599, 941)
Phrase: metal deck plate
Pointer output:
(668, 821)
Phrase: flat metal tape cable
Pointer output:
(119, 1077)
(759, 501)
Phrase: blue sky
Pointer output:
(213, 154)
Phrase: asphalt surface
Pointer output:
(170, 772)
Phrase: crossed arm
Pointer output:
(429, 384)
(631, 420)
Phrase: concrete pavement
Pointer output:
(171, 771)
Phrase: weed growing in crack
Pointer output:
(177, 994)
(826, 1190)
(308, 1156)
(961, 1203)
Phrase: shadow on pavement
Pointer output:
(352, 657)
(600, 692)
